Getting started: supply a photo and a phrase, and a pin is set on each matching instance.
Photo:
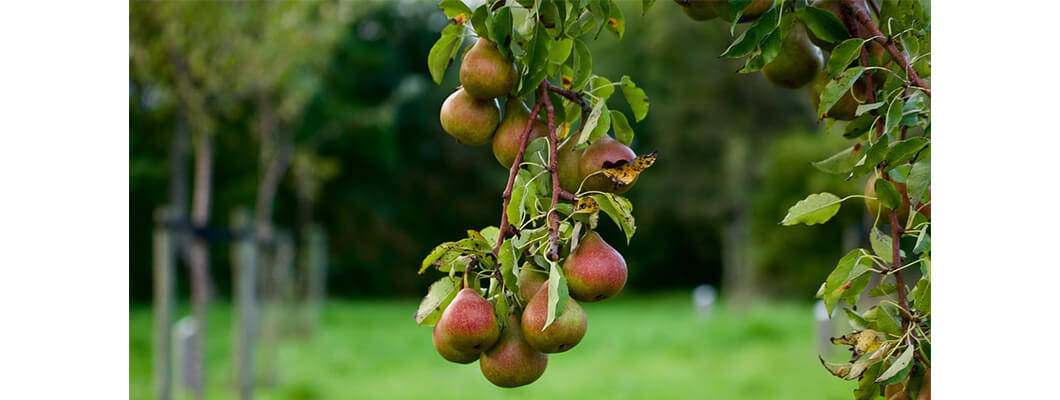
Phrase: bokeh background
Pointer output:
(319, 125)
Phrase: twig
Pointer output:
(855, 29)
(896, 260)
(553, 169)
(506, 227)
(858, 12)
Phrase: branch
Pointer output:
(505, 227)
(855, 29)
(896, 258)
(553, 169)
(851, 6)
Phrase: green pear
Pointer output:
(448, 352)
(699, 10)
(506, 138)
(847, 106)
(753, 10)
(594, 270)
(874, 205)
(468, 119)
(565, 331)
(798, 62)
(468, 325)
(485, 73)
(604, 149)
(512, 361)
(530, 280)
(567, 160)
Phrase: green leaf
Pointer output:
(623, 132)
(750, 39)
(867, 387)
(884, 318)
(902, 151)
(919, 181)
(646, 5)
(537, 61)
(549, 17)
(515, 202)
(602, 125)
(883, 289)
(478, 21)
(881, 245)
(454, 8)
(443, 52)
(490, 233)
(843, 54)
(837, 88)
(873, 156)
(438, 297)
(558, 293)
(768, 49)
(840, 163)
(856, 320)
(900, 364)
(560, 51)
(507, 257)
(893, 116)
(887, 194)
(824, 25)
(864, 108)
(620, 210)
(616, 22)
(859, 126)
(638, 101)
(922, 295)
(814, 209)
(841, 283)
(583, 65)
(500, 27)
(601, 87)
(591, 121)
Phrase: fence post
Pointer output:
(164, 259)
(245, 280)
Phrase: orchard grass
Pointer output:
(637, 347)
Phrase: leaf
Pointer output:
(444, 51)
(873, 156)
(883, 289)
(560, 51)
(814, 209)
(856, 320)
(899, 365)
(583, 65)
(623, 132)
(454, 9)
(922, 295)
(536, 59)
(918, 181)
(887, 194)
(902, 151)
(859, 126)
(893, 116)
(646, 5)
(616, 22)
(638, 101)
(586, 205)
(881, 244)
(749, 40)
(601, 87)
(836, 89)
(507, 258)
(840, 163)
(591, 121)
(620, 210)
(839, 370)
(841, 283)
(861, 342)
(867, 388)
(515, 202)
(558, 294)
(438, 297)
(884, 317)
(500, 27)
(478, 21)
(602, 125)
(843, 54)
(862, 109)
(824, 25)
(623, 172)
(490, 233)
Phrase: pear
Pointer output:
(512, 361)
(847, 105)
(563, 334)
(485, 73)
(874, 204)
(530, 280)
(468, 119)
(798, 62)
(594, 270)
(448, 352)
(699, 10)
(604, 149)
(753, 10)
(567, 160)
(468, 325)
(506, 138)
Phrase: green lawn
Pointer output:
(636, 348)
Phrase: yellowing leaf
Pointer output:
(861, 342)
(586, 205)
(624, 172)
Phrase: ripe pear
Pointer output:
(699, 10)
(530, 280)
(563, 334)
(847, 105)
(594, 270)
(567, 160)
(512, 361)
(506, 138)
(485, 73)
(874, 204)
(468, 119)
(468, 325)
(798, 62)
(753, 10)
(448, 352)
(604, 149)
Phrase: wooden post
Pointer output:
(243, 251)
(164, 259)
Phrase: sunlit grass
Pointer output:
(636, 348)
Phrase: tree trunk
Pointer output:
(200, 255)
(245, 339)
(737, 268)
(164, 258)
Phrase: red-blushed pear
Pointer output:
(874, 204)
(468, 325)
(485, 73)
(448, 352)
(530, 280)
(512, 361)
(506, 139)
(604, 149)
(468, 119)
(753, 10)
(594, 270)
(699, 10)
(847, 106)
(563, 334)
(797, 63)
(567, 161)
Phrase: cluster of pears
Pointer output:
(517, 353)
(800, 61)
(472, 115)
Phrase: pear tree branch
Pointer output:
(553, 169)
(857, 11)
(506, 228)
(896, 259)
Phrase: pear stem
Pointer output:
(553, 168)
(506, 228)
(851, 7)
